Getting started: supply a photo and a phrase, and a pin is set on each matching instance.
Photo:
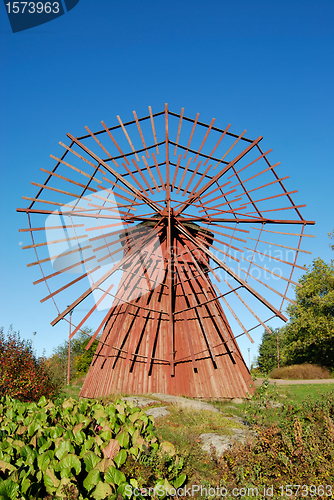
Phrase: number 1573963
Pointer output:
(32, 7)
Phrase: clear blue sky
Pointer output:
(265, 66)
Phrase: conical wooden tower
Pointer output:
(176, 229)
(174, 337)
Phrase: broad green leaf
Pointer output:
(79, 437)
(42, 402)
(63, 449)
(68, 435)
(106, 435)
(134, 450)
(100, 413)
(68, 403)
(67, 472)
(45, 446)
(121, 417)
(115, 476)
(91, 460)
(50, 479)
(56, 432)
(131, 429)
(25, 485)
(28, 454)
(6, 466)
(120, 407)
(8, 490)
(81, 425)
(101, 491)
(43, 461)
(21, 429)
(120, 458)
(123, 439)
(70, 461)
(124, 491)
(103, 464)
(179, 481)
(92, 479)
(87, 445)
(168, 447)
(33, 427)
(160, 489)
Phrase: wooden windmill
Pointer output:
(168, 218)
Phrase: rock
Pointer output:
(158, 412)
(191, 404)
(237, 401)
(140, 401)
(221, 444)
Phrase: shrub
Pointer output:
(79, 450)
(300, 372)
(22, 375)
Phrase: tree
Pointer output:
(80, 359)
(267, 359)
(309, 336)
(331, 236)
(22, 375)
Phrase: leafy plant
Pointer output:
(22, 375)
(75, 450)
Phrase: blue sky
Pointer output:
(263, 66)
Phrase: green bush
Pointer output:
(300, 372)
(22, 375)
(75, 450)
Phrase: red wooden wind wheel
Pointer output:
(164, 222)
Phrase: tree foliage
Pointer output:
(80, 359)
(267, 359)
(331, 236)
(22, 375)
(309, 336)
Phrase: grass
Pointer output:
(296, 394)
(70, 391)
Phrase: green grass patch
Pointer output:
(296, 394)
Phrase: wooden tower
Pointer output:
(180, 237)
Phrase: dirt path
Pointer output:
(259, 381)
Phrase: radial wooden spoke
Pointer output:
(178, 131)
(153, 129)
(249, 309)
(235, 316)
(183, 176)
(159, 173)
(230, 149)
(219, 141)
(191, 135)
(141, 133)
(116, 144)
(76, 169)
(150, 173)
(101, 146)
(127, 137)
(205, 138)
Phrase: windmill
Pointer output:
(182, 238)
